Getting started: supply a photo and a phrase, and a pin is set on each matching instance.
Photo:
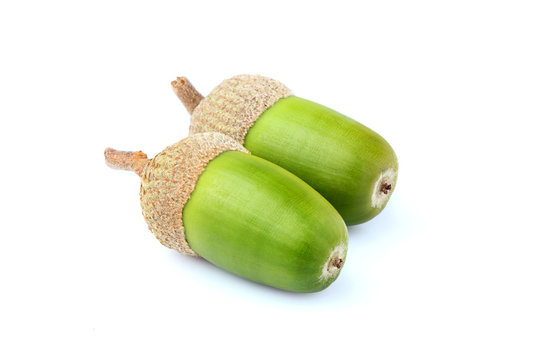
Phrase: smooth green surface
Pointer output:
(261, 222)
(336, 155)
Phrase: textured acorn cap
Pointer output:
(168, 180)
(233, 106)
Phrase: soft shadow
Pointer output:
(342, 292)
(356, 230)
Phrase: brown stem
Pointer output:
(187, 93)
(126, 160)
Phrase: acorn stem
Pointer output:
(126, 160)
(187, 93)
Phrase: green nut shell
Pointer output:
(348, 163)
(261, 222)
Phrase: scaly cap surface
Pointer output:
(168, 180)
(234, 105)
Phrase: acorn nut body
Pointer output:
(207, 196)
(352, 166)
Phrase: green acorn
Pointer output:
(350, 165)
(207, 196)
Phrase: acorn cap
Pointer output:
(233, 106)
(168, 180)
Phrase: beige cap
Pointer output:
(168, 180)
(233, 106)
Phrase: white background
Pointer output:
(450, 270)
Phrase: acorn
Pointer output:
(352, 166)
(207, 196)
